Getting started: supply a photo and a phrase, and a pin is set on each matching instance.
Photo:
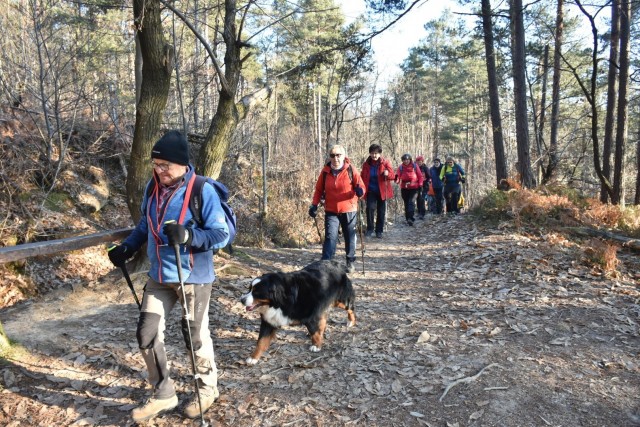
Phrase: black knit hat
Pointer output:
(172, 147)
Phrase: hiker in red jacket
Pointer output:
(340, 186)
(377, 175)
(410, 179)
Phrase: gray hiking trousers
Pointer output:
(157, 302)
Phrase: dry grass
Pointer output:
(602, 255)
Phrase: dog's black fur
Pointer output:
(300, 297)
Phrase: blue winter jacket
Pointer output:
(196, 258)
(436, 182)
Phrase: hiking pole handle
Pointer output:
(125, 273)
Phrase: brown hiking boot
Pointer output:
(208, 395)
(153, 407)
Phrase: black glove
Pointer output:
(463, 179)
(313, 211)
(359, 191)
(119, 254)
(177, 234)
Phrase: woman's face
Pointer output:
(374, 156)
(337, 159)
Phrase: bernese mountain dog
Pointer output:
(300, 297)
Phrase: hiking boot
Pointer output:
(410, 222)
(208, 395)
(368, 233)
(379, 235)
(153, 407)
(350, 267)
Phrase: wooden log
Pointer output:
(626, 242)
(49, 247)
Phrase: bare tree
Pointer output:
(555, 95)
(623, 103)
(157, 65)
(520, 94)
(494, 96)
(612, 81)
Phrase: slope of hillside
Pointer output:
(459, 324)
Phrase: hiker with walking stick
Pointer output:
(340, 185)
(180, 251)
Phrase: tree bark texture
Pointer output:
(623, 103)
(555, 95)
(520, 95)
(543, 108)
(226, 117)
(612, 81)
(157, 64)
(494, 96)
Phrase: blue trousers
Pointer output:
(348, 223)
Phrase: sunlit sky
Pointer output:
(392, 46)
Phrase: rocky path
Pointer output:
(459, 324)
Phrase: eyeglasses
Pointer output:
(160, 166)
(332, 155)
(449, 163)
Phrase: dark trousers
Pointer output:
(376, 208)
(422, 209)
(452, 195)
(347, 221)
(409, 196)
(438, 197)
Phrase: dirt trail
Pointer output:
(458, 325)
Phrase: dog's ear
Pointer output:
(293, 295)
(276, 292)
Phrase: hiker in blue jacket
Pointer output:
(437, 184)
(160, 228)
(452, 175)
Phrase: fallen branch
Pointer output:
(465, 380)
(626, 242)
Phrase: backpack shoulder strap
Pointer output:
(349, 172)
(195, 201)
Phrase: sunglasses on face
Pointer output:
(332, 155)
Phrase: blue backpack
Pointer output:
(194, 195)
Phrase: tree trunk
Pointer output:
(494, 96)
(543, 109)
(612, 80)
(636, 200)
(555, 95)
(228, 113)
(520, 95)
(157, 64)
(623, 103)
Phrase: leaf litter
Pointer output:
(459, 324)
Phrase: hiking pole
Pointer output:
(360, 226)
(185, 311)
(125, 273)
(315, 219)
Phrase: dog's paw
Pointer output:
(251, 361)
(314, 349)
(351, 324)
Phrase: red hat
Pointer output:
(419, 158)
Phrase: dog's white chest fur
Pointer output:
(275, 317)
